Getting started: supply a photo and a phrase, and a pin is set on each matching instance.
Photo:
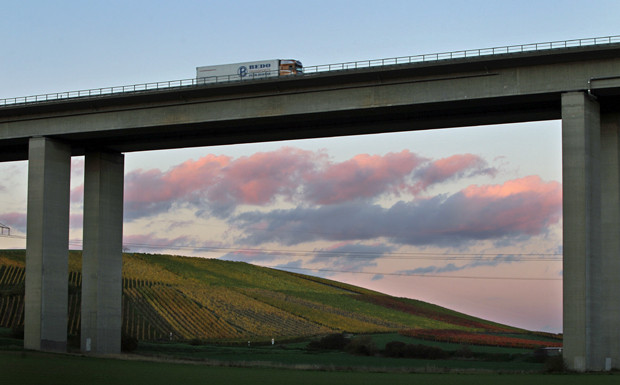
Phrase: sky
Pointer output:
(468, 218)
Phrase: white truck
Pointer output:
(249, 70)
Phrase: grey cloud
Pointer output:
(445, 221)
(451, 267)
(352, 257)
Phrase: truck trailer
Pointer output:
(249, 70)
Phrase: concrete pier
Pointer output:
(607, 273)
(591, 186)
(46, 298)
(102, 256)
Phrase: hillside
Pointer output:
(214, 300)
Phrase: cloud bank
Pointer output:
(522, 207)
(217, 185)
(292, 196)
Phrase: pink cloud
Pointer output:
(364, 176)
(153, 191)
(259, 178)
(218, 184)
(76, 221)
(223, 183)
(455, 166)
(77, 194)
(219, 181)
(192, 176)
(527, 204)
(531, 183)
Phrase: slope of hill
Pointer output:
(215, 300)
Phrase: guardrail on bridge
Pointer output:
(96, 92)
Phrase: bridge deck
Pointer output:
(507, 88)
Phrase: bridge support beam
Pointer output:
(607, 319)
(591, 189)
(101, 317)
(47, 245)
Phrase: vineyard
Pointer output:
(11, 295)
(428, 311)
(178, 298)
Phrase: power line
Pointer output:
(524, 257)
(414, 275)
(4, 227)
(366, 255)
(356, 254)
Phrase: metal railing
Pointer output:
(464, 54)
(315, 69)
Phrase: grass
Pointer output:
(331, 360)
(502, 359)
(26, 368)
(171, 363)
(295, 354)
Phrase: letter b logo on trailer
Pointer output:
(242, 71)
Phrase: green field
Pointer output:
(296, 354)
(30, 368)
(293, 362)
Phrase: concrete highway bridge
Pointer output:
(576, 81)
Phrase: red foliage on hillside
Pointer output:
(472, 338)
(420, 310)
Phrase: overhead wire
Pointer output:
(356, 254)
(525, 257)
(368, 255)
(415, 275)
(348, 254)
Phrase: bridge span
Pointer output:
(579, 85)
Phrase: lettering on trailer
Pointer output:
(255, 70)
(260, 66)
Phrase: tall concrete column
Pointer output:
(591, 183)
(607, 288)
(582, 225)
(102, 255)
(47, 245)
